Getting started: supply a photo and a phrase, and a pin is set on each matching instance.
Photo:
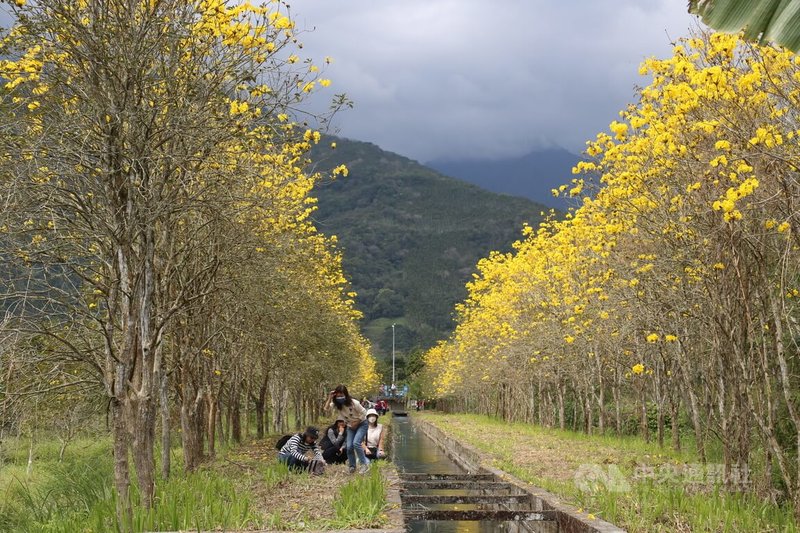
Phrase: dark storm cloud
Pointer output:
(454, 78)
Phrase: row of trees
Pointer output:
(674, 285)
(156, 239)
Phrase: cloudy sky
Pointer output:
(476, 79)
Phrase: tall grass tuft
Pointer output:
(361, 502)
(59, 492)
(77, 495)
(276, 473)
(201, 501)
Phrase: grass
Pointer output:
(586, 470)
(203, 500)
(298, 501)
(361, 501)
(55, 492)
(243, 488)
(77, 494)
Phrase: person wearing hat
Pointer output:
(302, 453)
(334, 449)
(373, 443)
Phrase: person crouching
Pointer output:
(373, 443)
(302, 453)
(333, 443)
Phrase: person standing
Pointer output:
(373, 444)
(355, 416)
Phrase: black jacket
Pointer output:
(331, 438)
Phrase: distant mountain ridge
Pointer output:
(410, 237)
(531, 176)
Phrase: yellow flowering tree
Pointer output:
(672, 282)
(148, 153)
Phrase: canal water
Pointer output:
(414, 452)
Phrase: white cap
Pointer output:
(372, 412)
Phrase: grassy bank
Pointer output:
(244, 488)
(623, 480)
(294, 502)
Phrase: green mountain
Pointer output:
(410, 237)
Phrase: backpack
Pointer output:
(283, 440)
(317, 468)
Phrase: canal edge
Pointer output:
(394, 510)
(469, 458)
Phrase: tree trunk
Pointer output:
(166, 441)
(188, 441)
(143, 443)
(211, 428)
(617, 394)
(644, 426)
(279, 397)
(246, 414)
(223, 435)
(29, 468)
(236, 423)
(121, 467)
(601, 393)
(697, 425)
(191, 426)
(601, 410)
(143, 427)
(588, 415)
(261, 407)
(659, 393)
(675, 426)
(575, 405)
(539, 403)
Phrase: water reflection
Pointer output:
(413, 451)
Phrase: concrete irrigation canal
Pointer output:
(445, 488)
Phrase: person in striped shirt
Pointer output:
(302, 453)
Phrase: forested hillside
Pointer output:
(532, 175)
(411, 237)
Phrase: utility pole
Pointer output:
(393, 386)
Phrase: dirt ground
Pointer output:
(297, 503)
(548, 456)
